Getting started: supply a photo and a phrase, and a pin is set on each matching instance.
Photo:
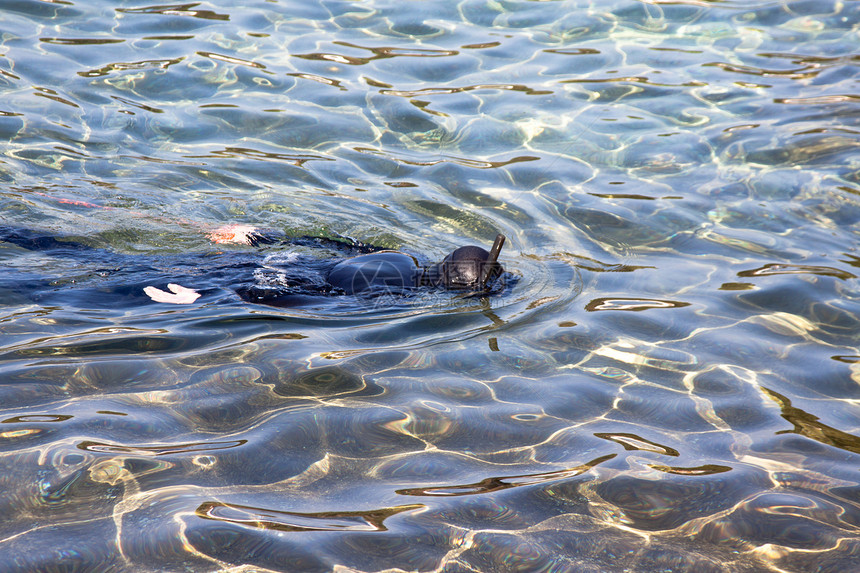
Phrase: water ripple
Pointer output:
(678, 184)
(161, 450)
(292, 521)
(177, 10)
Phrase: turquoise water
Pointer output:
(671, 383)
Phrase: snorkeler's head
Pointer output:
(467, 267)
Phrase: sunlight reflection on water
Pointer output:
(668, 381)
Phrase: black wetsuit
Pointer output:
(309, 268)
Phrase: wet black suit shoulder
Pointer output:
(336, 267)
(286, 271)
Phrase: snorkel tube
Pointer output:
(490, 265)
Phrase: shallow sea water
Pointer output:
(671, 383)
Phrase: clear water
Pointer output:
(671, 385)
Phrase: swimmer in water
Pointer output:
(373, 272)
(281, 278)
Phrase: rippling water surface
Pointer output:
(669, 384)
